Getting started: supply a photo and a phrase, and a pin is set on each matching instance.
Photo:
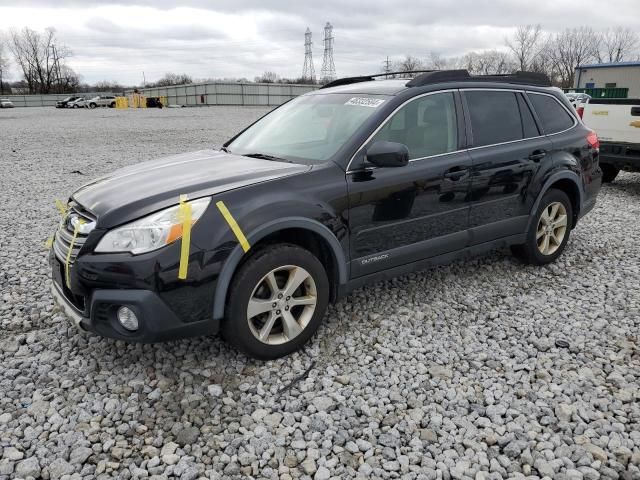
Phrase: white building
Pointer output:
(610, 75)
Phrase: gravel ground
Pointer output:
(449, 373)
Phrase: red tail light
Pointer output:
(593, 140)
(580, 111)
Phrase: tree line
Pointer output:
(531, 49)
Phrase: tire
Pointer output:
(92, 105)
(251, 282)
(609, 172)
(75, 106)
(533, 251)
(112, 105)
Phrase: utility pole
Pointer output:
(144, 80)
(308, 71)
(386, 67)
(328, 72)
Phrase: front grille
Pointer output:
(64, 235)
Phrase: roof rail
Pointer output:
(428, 77)
(368, 78)
(526, 78)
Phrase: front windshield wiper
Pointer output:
(265, 156)
(225, 150)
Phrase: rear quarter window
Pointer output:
(553, 116)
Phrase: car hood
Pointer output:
(138, 190)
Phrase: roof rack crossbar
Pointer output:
(427, 77)
(368, 78)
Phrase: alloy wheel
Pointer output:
(552, 228)
(282, 304)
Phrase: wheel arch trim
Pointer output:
(564, 175)
(232, 262)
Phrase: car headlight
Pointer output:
(151, 232)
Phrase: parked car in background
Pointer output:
(576, 99)
(65, 102)
(6, 103)
(102, 101)
(617, 123)
(77, 103)
(356, 182)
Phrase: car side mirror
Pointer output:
(388, 154)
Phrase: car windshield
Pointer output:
(308, 129)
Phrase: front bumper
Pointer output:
(158, 323)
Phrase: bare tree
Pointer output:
(569, 49)
(4, 65)
(616, 44)
(39, 58)
(268, 77)
(490, 62)
(172, 79)
(525, 44)
(408, 64)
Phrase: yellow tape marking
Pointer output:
(184, 214)
(235, 228)
(68, 259)
(62, 208)
(635, 124)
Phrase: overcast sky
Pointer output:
(114, 40)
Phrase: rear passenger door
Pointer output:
(507, 153)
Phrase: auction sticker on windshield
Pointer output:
(365, 102)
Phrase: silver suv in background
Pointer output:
(102, 101)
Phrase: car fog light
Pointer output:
(127, 318)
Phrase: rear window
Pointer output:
(553, 116)
(495, 117)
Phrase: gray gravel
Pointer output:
(448, 373)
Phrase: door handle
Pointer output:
(456, 173)
(537, 155)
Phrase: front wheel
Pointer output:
(92, 105)
(549, 232)
(276, 302)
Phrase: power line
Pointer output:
(328, 72)
(308, 71)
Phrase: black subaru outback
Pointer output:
(355, 182)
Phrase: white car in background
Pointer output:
(102, 101)
(77, 103)
(5, 103)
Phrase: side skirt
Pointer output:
(430, 262)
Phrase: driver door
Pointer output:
(399, 215)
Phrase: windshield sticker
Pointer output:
(365, 102)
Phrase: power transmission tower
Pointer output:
(308, 71)
(386, 67)
(328, 72)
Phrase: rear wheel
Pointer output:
(609, 172)
(92, 105)
(276, 303)
(549, 232)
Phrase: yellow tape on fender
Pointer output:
(184, 215)
(235, 228)
(76, 229)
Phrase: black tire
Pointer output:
(112, 105)
(235, 327)
(92, 105)
(609, 172)
(529, 252)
